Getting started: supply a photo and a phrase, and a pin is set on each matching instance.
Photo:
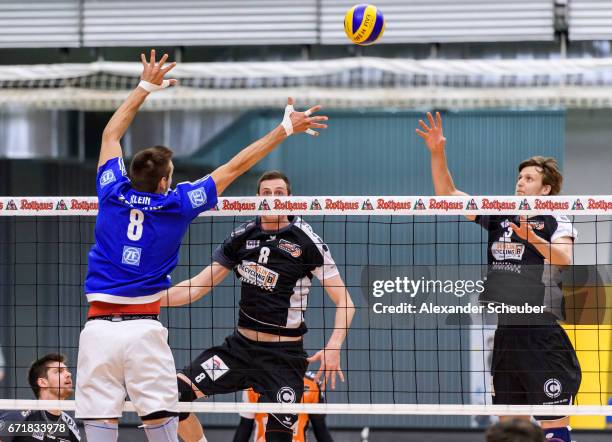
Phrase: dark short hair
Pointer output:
(274, 175)
(515, 430)
(39, 368)
(551, 175)
(148, 167)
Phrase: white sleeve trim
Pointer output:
(328, 269)
(564, 228)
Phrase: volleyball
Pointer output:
(364, 24)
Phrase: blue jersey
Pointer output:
(138, 235)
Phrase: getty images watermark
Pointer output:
(425, 296)
(411, 288)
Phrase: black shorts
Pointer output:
(275, 370)
(534, 366)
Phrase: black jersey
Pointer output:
(40, 420)
(275, 269)
(516, 270)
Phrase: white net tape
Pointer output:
(384, 409)
(341, 205)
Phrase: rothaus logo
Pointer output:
(419, 205)
(131, 255)
(83, 205)
(577, 205)
(551, 205)
(471, 205)
(445, 205)
(367, 205)
(383, 204)
(315, 205)
(61, 205)
(107, 177)
(599, 205)
(498, 205)
(289, 205)
(197, 197)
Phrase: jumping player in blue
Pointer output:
(141, 222)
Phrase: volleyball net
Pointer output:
(421, 340)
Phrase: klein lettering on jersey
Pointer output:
(139, 199)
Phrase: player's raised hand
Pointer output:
(329, 359)
(296, 122)
(432, 134)
(154, 71)
(524, 230)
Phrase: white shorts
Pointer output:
(130, 357)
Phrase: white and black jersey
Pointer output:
(275, 269)
(516, 270)
(61, 428)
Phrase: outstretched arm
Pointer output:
(329, 357)
(294, 122)
(435, 141)
(152, 72)
(190, 290)
(558, 252)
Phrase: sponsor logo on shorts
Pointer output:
(293, 249)
(502, 251)
(197, 197)
(215, 367)
(286, 395)
(552, 388)
(131, 255)
(252, 244)
(107, 177)
(258, 275)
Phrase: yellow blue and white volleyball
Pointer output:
(364, 24)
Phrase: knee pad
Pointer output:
(185, 390)
(101, 431)
(561, 434)
(186, 394)
(164, 432)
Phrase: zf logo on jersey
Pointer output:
(215, 367)
(131, 255)
(252, 244)
(502, 251)
(256, 274)
(293, 249)
(107, 177)
(197, 197)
